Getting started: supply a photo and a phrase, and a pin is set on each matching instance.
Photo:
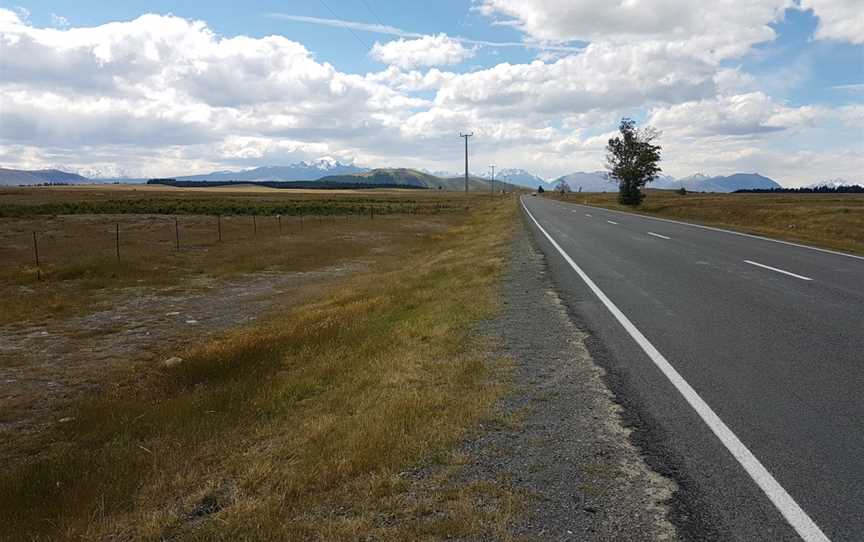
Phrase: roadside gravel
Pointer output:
(568, 450)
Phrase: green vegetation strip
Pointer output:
(223, 207)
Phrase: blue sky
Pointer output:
(764, 86)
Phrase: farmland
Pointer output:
(251, 200)
(833, 221)
(248, 387)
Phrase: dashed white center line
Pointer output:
(609, 221)
(762, 265)
(589, 216)
(794, 514)
(658, 235)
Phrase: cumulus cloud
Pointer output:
(601, 77)
(841, 20)
(59, 21)
(712, 29)
(161, 81)
(438, 50)
(412, 80)
(746, 115)
(164, 95)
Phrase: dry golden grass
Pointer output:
(78, 257)
(78, 260)
(828, 220)
(242, 194)
(300, 427)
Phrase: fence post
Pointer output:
(254, 227)
(36, 252)
(219, 226)
(117, 240)
(279, 218)
(177, 233)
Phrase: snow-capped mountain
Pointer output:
(731, 183)
(299, 171)
(100, 173)
(519, 177)
(587, 181)
(834, 183)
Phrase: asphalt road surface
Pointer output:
(740, 361)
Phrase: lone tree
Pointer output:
(633, 160)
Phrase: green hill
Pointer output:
(412, 177)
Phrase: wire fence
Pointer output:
(38, 245)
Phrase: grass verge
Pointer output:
(301, 427)
(833, 221)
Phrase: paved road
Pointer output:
(769, 336)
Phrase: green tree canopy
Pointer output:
(633, 159)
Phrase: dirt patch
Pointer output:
(43, 367)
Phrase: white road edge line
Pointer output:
(658, 235)
(762, 265)
(785, 504)
(742, 234)
(609, 221)
(590, 216)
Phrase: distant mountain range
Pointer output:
(330, 169)
(834, 183)
(728, 183)
(413, 177)
(519, 177)
(15, 177)
(300, 171)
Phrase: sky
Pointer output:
(146, 89)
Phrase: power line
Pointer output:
(345, 26)
(372, 11)
(466, 136)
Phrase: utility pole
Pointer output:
(466, 136)
(492, 183)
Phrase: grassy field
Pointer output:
(251, 200)
(77, 230)
(828, 220)
(309, 424)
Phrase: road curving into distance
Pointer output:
(742, 359)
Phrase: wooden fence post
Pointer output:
(36, 252)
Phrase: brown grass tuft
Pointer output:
(299, 427)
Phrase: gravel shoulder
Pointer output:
(568, 451)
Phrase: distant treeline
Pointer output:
(326, 185)
(854, 189)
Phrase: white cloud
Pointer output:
(158, 82)
(717, 30)
(744, 115)
(413, 80)
(841, 20)
(438, 50)
(59, 21)
(163, 95)
(602, 76)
